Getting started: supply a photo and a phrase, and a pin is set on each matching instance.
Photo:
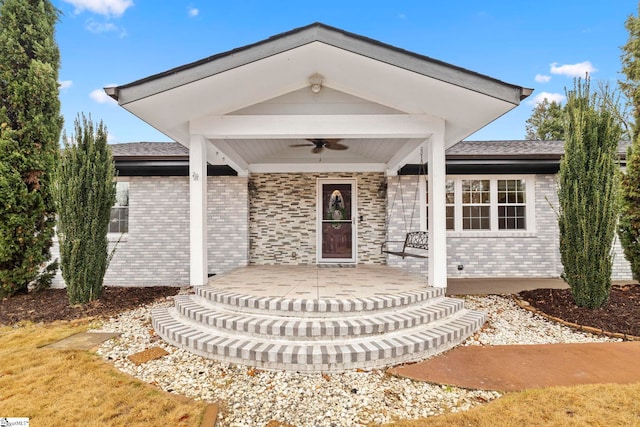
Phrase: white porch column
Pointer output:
(198, 211)
(437, 212)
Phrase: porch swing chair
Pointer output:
(414, 239)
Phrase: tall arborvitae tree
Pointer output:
(30, 125)
(629, 227)
(546, 122)
(588, 191)
(85, 192)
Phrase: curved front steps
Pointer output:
(316, 335)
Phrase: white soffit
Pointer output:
(463, 110)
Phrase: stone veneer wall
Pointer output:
(155, 251)
(283, 217)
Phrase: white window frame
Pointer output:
(494, 231)
(113, 236)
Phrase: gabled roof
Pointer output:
(319, 32)
(420, 96)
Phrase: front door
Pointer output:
(336, 225)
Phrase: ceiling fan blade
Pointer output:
(335, 146)
(317, 149)
(300, 145)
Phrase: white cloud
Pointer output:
(102, 7)
(573, 70)
(193, 11)
(551, 97)
(100, 27)
(99, 96)
(104, 27)
(541, 78)
(65, 84)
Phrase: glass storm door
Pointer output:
(337, 210)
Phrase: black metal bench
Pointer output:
(414, 240)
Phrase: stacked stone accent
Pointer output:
(316, 335)
(283, 218)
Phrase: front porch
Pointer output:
(316, 319)
(310, 282)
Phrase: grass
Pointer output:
(73, 387)
(587, 405)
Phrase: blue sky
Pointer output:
(541, 45)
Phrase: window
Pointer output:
(476, 204)
(512, 204)
(451, 192)
(451, 204)
(119, 222)
(482, 203)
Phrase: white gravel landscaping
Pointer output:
(253, 398)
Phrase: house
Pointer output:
(154, 176)
(256, 109)
(251, 117)
(314, 147)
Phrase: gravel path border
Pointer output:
(249, 397)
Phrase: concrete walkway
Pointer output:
(520, 367)
(501, 286)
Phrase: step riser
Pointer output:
(316, 328)
(318, 357)
(314, 307)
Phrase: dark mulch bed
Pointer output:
(621, 314)
(52, 304)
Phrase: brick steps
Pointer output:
(315, 328)
(316, 307)
(322, 335)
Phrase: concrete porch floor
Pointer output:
(361, 281)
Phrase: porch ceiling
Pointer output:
(394, 98)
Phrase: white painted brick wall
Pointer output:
(155, 251)
(535, 255)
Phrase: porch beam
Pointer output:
(408, 151)
(315, 126)
(198, 260)
(437, 221)
(224, 153)
(315, 167)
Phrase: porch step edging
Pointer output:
(316, 307)
(317, 356)
(349, 324)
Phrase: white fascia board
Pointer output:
(315, 126)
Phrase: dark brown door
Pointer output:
(337, 221)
